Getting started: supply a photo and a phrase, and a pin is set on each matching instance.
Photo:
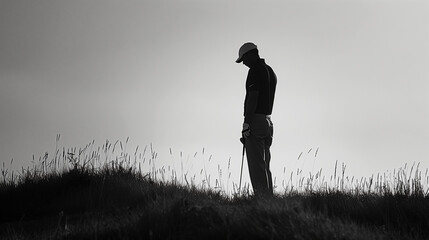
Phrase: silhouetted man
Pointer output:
(257, 127)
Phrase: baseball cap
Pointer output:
(244, 49)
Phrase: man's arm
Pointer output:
(250, 107)
(251, 102)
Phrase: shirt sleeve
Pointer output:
(252, 90)
(251, 82)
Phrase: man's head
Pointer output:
(248, 54)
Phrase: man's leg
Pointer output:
(268, 142)
(267, 169)
(255, 151)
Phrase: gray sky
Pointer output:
(353, 78)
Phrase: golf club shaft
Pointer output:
(241, 172)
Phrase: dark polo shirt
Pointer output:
(260, 78)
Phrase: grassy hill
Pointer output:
(84, 194)
(120, 203)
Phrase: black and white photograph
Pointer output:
(214, 119)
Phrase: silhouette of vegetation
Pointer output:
(117, 200)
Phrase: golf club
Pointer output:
(242, 140)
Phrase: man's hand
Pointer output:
(246, 130)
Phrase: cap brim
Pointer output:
(239, 60)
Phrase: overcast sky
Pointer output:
(353, 78)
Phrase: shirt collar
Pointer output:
(258, 62)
